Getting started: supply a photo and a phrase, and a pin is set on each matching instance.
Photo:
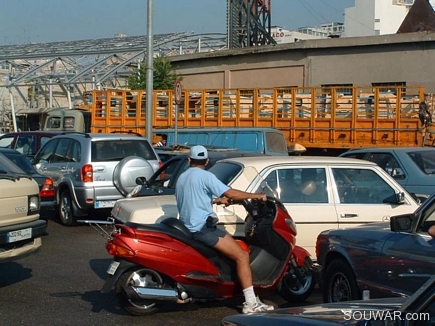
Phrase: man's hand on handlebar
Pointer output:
(260, 197)
(223, 201)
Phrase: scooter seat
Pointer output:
(177, 224)
(176, 229)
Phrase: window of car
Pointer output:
(388, 163)
(116, 150)
(62, 150)
(6, 141)
(362, 186)
(26, 144)
(298, 185)
(21, 161)
(7, 165)
(45, 155)
(225, 171)
(425, 160)
(44, 140)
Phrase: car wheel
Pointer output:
(66, 216)
(340, 283)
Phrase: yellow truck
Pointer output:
(319, 118)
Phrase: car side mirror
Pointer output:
(401, 223)
(400, 197)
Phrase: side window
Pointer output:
(306, 185)
(46, 154)
(389, 164)
(44, 140)
(74, 152)
(54, 122)
(62, 150)
(362, 186)
(6, 141)
(23, 144)
(272, 185)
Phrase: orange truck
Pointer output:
(325, 119)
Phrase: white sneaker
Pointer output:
(257, 306)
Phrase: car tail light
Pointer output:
(87, 173)
(47, 189)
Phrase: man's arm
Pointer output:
(237, 195)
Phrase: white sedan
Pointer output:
(320, 193)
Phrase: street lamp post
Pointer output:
(149, 73)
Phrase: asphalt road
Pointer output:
(60, 285)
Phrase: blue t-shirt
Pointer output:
(194, 192)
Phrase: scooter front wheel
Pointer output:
(298, 283)
(142, 277)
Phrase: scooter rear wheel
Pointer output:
(137, 277)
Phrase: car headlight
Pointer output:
(33, 204)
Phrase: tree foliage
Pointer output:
(164, 76)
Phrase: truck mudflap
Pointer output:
(114, 275)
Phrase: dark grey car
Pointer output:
(388, 259)
(83, 167)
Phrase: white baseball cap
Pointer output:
(198, 152)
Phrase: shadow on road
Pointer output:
(11, 273)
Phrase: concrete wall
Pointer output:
(358, 61)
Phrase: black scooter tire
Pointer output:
(136, 307)
(290, 288)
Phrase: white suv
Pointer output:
(319, 193)
(83, 165)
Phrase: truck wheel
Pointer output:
(340, 283)
(66, 215)
(137, 277)
(297, 288)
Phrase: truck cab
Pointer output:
(64, 119)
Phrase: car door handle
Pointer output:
(345, 215)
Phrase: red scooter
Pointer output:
(154, 263)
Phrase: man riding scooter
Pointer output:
(194, 193)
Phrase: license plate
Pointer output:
(104, 203)
(113, 267)
(18, 235)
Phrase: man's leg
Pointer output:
(229, 247)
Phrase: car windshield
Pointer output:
(21, 161)
(425, 160)
(7, 165)
(116, 150)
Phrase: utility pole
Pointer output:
(149, 74)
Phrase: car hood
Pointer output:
(344, 313)
(145, 210)
(380, 229)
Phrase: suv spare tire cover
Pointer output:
(127, 170)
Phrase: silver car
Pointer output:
(83, 165)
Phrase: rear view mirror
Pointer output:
(400, 197)
(402, 223)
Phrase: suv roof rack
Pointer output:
(126, 132)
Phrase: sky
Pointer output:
(30, 21)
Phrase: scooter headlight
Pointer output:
(291, 225)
